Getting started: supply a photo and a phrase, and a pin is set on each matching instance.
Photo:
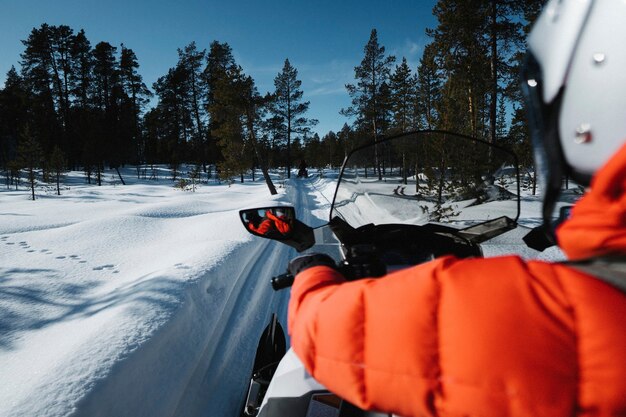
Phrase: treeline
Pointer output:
(74, 106)
(87, 107)
(467, 81)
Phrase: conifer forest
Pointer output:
(73, 104)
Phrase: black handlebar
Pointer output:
(362, 261)
(282, 281)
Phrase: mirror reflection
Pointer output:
(269, 222)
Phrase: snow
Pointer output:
(144, 299)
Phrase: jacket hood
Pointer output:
(597, 225)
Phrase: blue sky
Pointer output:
(323, 39)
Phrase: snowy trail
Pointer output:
(224, 381)
(219, 382)
(214, 342)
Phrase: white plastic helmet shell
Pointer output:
(581, 45)
(553, 40)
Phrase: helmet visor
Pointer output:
(544, 134)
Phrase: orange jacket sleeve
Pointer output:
(354, 337)
(264, 227)
(488, 337)
(281, 225)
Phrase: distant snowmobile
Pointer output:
(302, 171)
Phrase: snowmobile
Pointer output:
(303, 173)
(399, 201)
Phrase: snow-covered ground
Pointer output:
(145, 300)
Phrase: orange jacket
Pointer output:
(279, 222)
(265, 226)
(477, 337)
(271, 222)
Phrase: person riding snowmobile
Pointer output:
(302, 169)
(502, 336)
(271, 224)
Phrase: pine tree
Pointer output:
(152, 128)
(314, 153)
(368, 93)
(13, 116)
(237, 100)
(254, 107)
(82, 118)
(43, 87)
(191, 61)
(107, 101)
(462, 56)
(477, 42)
(135, 97)
(57, 165)
(403, 96)
(275, 132)
(226, 112)
(429, 81)
(61, 42)
(29, 157)
(173, 116)
(81, 77)
(346, 138)
(287, 106)
(220, 62)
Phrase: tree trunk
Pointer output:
(442, 170)
(471, 111)
(417, 178)
(255, 146)
(404, 168)
(289, 147)
(376, 153)
(494, 72)
(31, 179)
(120, 175)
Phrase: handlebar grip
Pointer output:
(282, 281)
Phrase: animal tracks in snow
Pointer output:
(107, 267)
(76, 258)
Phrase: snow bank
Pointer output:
(109, 294)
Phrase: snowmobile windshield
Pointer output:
(427, 177)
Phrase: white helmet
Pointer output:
(575, 86)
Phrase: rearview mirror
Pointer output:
(278, 223)
(269, 222)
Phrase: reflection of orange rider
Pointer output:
(270, 223)
(280, 222)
